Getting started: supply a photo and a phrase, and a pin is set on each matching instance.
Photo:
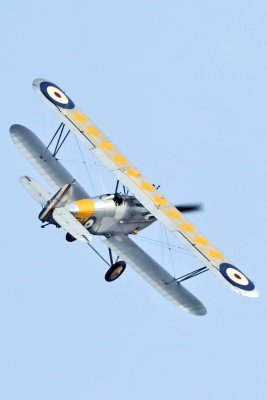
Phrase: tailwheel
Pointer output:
(115, 271)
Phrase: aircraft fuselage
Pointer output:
(111, 214)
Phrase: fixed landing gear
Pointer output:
(115, 271)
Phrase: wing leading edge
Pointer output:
(144, 191)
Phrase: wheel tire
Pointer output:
(115, 271)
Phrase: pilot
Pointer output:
(118, 199)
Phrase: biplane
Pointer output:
(118, 216)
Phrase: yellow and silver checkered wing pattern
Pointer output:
(144, 191)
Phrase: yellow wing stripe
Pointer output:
(201, 240)
(104, 144)
(160, 200)
(133, 172)
(149, 190)
(146, 186)
(186, 227)
(215, 254)
(119, 159)
(80, 117)
(92, 131)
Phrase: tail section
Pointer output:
(58, 200)
(35, 189)
(54, 210)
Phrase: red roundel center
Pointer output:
(237, 276)
(57, 94)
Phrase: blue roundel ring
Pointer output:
(54, 94)
(236, 277)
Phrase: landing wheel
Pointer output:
(115, 271)
(70, 238)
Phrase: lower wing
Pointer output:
(154, 274)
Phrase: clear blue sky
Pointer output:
(180, 87)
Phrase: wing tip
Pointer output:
(251, 293)
(36, 82)
(14, 128)
(237, 280)
(200, 311)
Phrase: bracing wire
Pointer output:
(161, 247)
(175, 248)
(90, 180)
(85, 165)
(170, 252)
(100, 180)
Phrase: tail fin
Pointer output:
(58, 200)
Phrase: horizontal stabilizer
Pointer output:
(154, 274)
(35, 189)
(68, 222)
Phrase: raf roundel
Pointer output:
(54, 94)
(236, 277)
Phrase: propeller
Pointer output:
(189, 207)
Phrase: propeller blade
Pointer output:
(189, 207)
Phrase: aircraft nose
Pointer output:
(84, 208)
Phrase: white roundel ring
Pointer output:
(57, 95)
(54, 94)
(236, 277)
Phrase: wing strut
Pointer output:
(192, 274)
(60, 141)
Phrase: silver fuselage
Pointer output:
(113, 214)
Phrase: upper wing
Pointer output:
(154, 274)
(145, 192)
(43, 161)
